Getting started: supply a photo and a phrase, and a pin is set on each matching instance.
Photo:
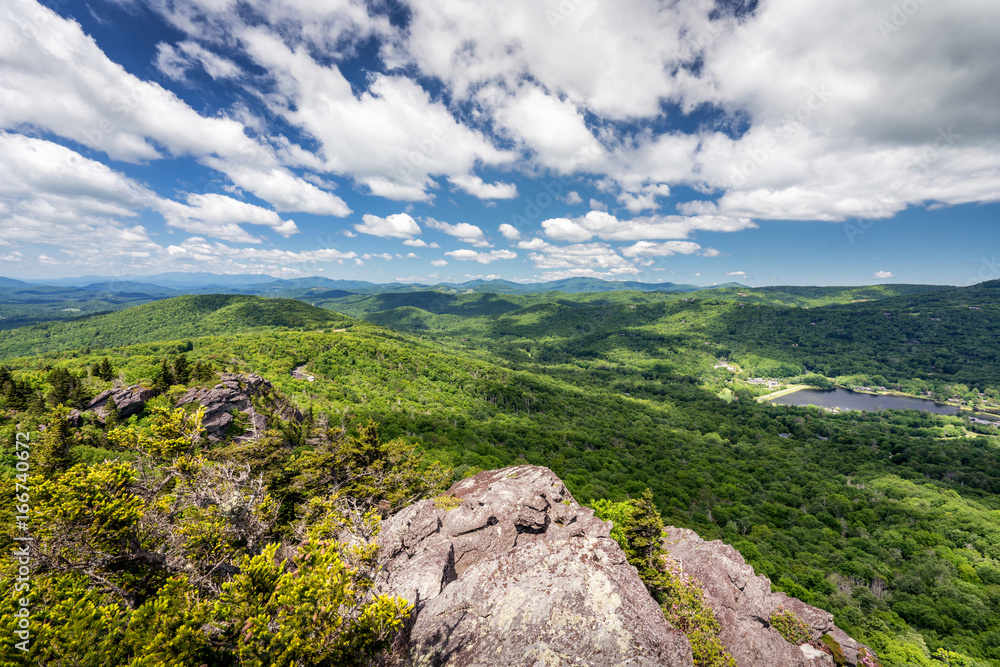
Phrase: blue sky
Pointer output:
(779, 142)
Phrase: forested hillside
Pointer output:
(925, 341)
(890, 520)
(171, 319)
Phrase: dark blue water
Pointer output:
(852, 400)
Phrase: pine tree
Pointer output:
(66, 389)
(164, 378)
(53, 449)
(182, 370)
(111, 412)
(103, 370)
(203, 372)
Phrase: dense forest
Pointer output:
(890, 520)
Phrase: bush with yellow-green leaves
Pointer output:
(171, 559)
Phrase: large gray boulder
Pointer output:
(239, 393)
(743, 603)
(515, 572)
(128, 401)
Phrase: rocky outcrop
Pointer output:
(743, 604)
(512, 571)
(239, 393)
(128, 401)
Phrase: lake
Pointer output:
(846, 399)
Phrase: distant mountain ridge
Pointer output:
(24, 303)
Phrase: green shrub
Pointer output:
(790, 626)
(638, 528)
(835, 650)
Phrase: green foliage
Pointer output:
(790, 626)
(170, 319)
(447, 503)
(316, 614)
(170, 433)
(103, 370)
(389, 474)
(836, 650)
(52, 450)
(93, 507)
(638, 528)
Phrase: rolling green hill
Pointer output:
(935, 336)
(170, 319)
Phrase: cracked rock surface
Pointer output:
(520, 574)
(743, 604)
(236, 392)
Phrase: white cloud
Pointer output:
(392, 138)
(711, 252)
(564, 229)
(573, 197)
(645, 199)
(608, 227)
(279, 187)
(463, 231)
(650, 249)
(220, 217)
(439, 262)
(553, 129)
(397, 225)
(583, 256)
(477, 188)
(466, 255)
(509, 232)
(61, 82)
(176, 61)
(533, 244)
(420, 243)
(614, 59)
(737, 273)
(882, 275)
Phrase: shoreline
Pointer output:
(962, 409)
(783, 392)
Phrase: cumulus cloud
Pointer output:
(477, 188)
(737, 273)
(466, 255)
(533, 244)
(509, 232)
(463, 231)
(591, 256)
(608, 227)
(396, 225)
(220, 217)
(882, 275)
(392, 138)
(439, 262)
(61, 82)
(650, 249)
